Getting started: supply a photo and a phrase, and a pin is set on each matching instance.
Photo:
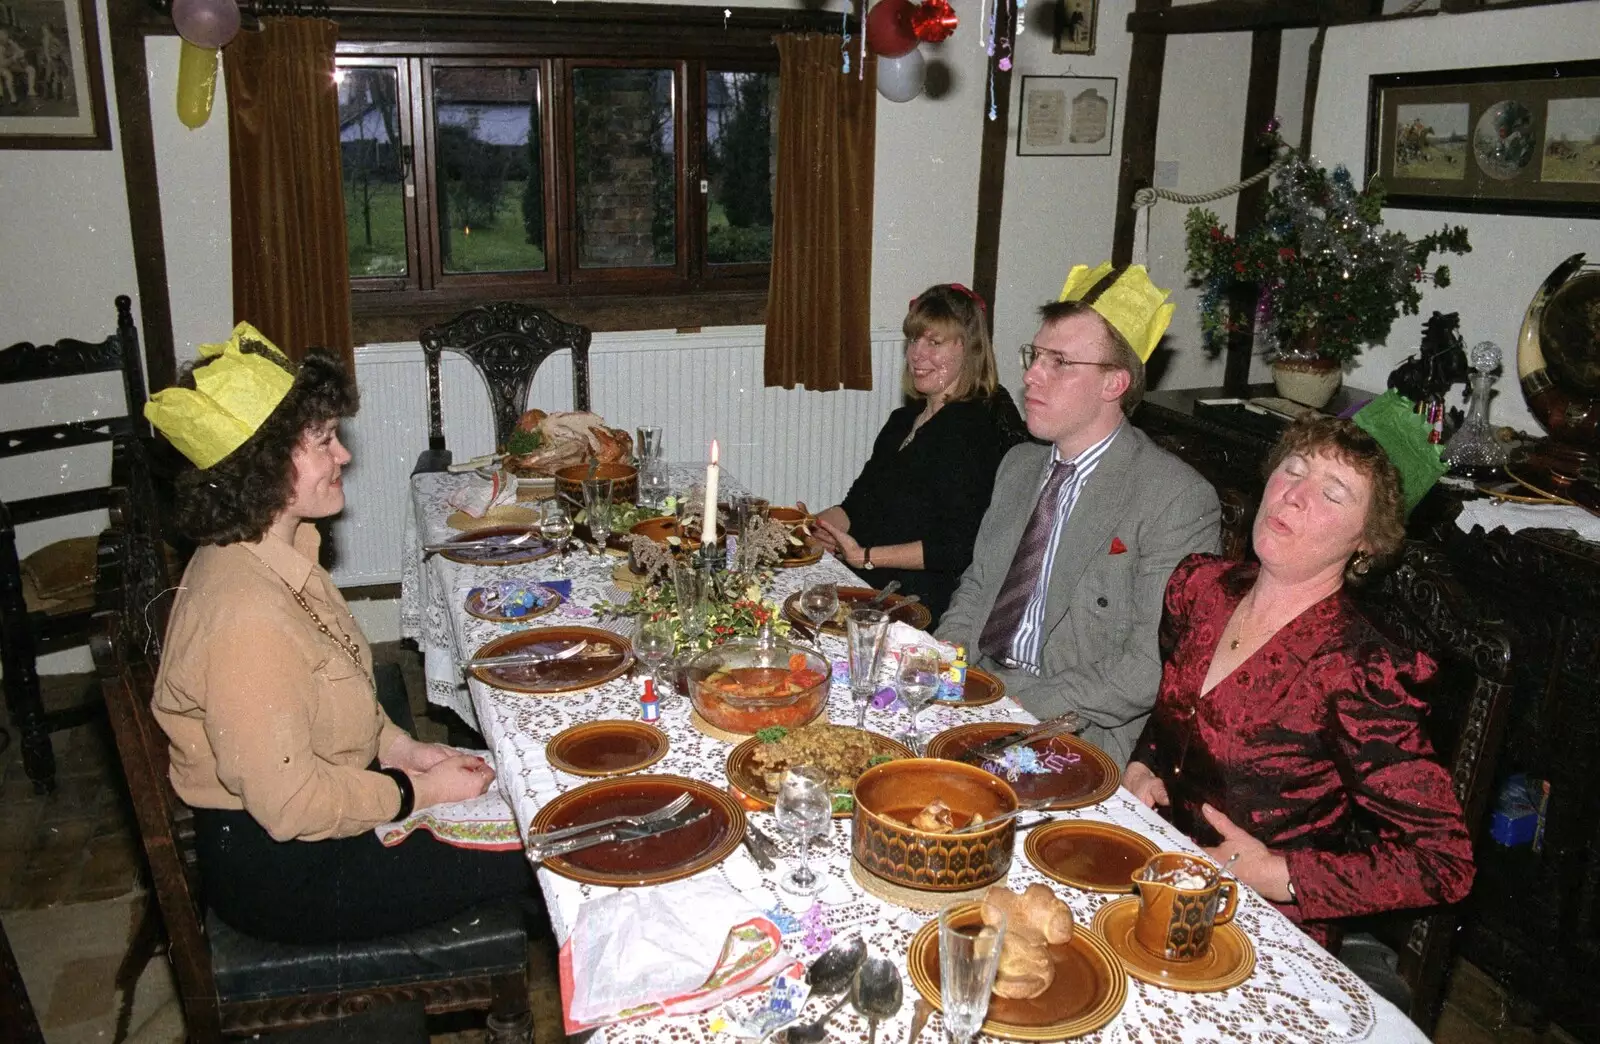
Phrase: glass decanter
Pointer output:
(1473, 449)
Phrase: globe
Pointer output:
(1569, 332)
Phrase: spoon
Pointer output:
(919, 1019)
(829, 974)
(1025, 806)
(876, 994)
(883, 596)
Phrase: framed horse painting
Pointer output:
(52, 89)
(1512, 139)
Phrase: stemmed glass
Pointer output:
(805, 811)
(652, 644)
(864, 630)
(597, 509)
(693, 606)
(968, 959)
(819, 602)
(917, 680)
(556, 526)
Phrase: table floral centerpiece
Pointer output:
(1329, 278)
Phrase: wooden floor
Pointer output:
(79, 846)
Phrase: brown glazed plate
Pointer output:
(659, 529)
(809, 554)
(502, 551)
(606, 748)
(1230, 961)
(914, 613)
(1088, 777)
(607, 657)
(746, 779)
(649, 860)
(1089, 990)
(511, 600)
(1097, 857)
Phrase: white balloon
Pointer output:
(901, 79)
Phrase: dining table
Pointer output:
(1296, 992)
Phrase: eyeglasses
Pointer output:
(1054, 362)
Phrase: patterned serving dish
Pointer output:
(624, 482)
(911, 858)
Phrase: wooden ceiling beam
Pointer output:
(1238, 16)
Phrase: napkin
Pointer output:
(476, 498)
(482, 822)
(674, 949)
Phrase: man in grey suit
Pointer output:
(1064, 595)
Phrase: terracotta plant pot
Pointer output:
(1310, 382)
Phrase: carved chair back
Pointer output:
(27, 631)
(506, 341)
(1420, 606)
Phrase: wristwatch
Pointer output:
(866, 559)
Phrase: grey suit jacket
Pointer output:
(1099, 655)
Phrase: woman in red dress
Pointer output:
(1284, 739)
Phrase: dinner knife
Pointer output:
(772, 848)
(758, 851)
(877, 600)
(1068, 722)
(620, 834)
(523, 658)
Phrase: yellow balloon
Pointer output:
(197, 84)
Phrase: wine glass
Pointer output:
(805, 811)
(556, 526)
(653, 641)
(693, 593)
(968, 959)
(917, 680)
(819, 602)
(865, 630)
(597, 509)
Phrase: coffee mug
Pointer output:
(1175, 919)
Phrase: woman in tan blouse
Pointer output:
(266, 687)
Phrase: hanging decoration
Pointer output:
(934, 20)
(844, 41)
(211, 24)
(206, 27)
(901, 79)
(889, 31)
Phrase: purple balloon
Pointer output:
(206, 23)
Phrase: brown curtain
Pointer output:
(820, 298)
(291, 267)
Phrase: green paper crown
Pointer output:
(1401, 431)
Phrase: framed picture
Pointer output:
(1514, 139)
(52, 91)
(1067, 115)
(1075, 25)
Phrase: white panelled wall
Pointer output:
(784, 445)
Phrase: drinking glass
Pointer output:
(597, 508)
(805, 811)
(968, 959)
(653, 477)
(556, 527)
(653, 641)
(647, 444)
(819, 602)
(917, 680)
(693, 592)
(865, 631)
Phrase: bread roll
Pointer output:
(1035, 920)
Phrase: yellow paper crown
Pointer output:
(233, 395)
(1128, 300)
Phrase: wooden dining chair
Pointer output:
(47, 597)
(231, 984)
(506, 341)
(1419, 605)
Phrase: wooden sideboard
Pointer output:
(1533, 919)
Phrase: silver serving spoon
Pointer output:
(876, 994)
(1026, 806)
(829, 974)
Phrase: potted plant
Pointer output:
(1328, 279)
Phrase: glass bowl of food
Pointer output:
(748, 684)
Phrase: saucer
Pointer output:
(1083, 853)
(1230, 961)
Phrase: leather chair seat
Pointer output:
(247, 968)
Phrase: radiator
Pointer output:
(784, 445)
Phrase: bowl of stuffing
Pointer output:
(905, 818)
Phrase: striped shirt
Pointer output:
(1026, 646)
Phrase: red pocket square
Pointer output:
(1118, 547)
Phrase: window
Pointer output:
(473, 172)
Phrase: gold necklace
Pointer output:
(344, 641)
(1242, 635)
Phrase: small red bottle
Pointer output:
(649, 706)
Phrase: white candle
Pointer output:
(708, 527)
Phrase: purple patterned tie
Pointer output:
(1006, 616)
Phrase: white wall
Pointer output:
(1510, 255)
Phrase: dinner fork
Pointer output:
(667, 811)
(620, 834)
(474, 545)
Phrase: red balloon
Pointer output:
(934, 20)
(889, 28)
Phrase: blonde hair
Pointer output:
(951, 310)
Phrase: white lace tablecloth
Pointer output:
(1298, 993)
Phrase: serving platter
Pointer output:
(649, 860)
(512, 600)
(506, 545)
(1081, 773)
(606, 748)
(745, 778)
(897, 606)
(1089, 989)
(1230, 961)
(1096, 857)
(609, 655)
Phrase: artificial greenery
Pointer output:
(1328, 278)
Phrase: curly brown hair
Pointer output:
(1345, 441)
(237, 498)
